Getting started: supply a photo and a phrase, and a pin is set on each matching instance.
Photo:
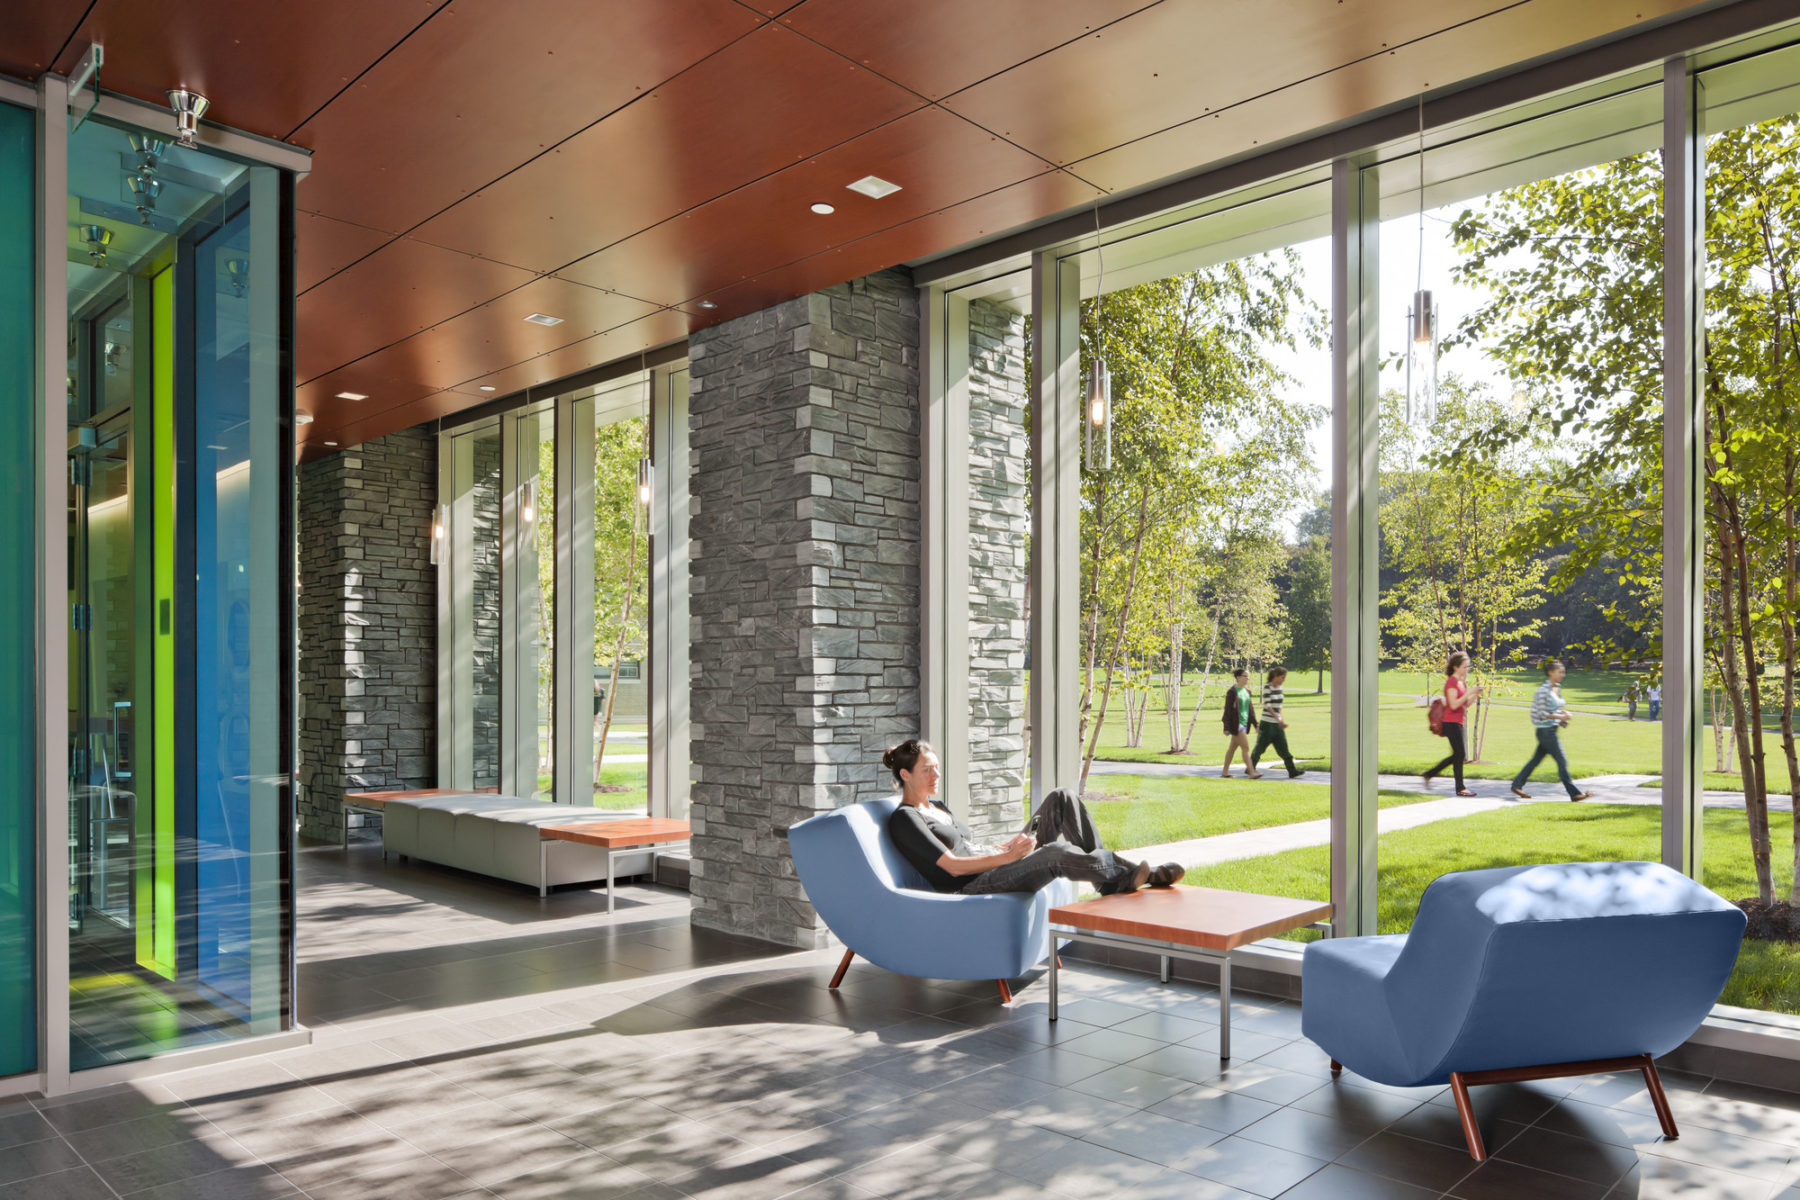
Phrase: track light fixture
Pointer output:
(645, 475)
(238, 270)
(189, 108)
(144, 191)
(98, 238)
(1421, 321)
(1097, 407)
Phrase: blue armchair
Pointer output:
(882, 909)
(1525, 973)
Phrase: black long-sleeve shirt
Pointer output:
(922, 841)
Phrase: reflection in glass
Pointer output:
(621, 722)
(177, 773)
(474, 584)
(537, 597)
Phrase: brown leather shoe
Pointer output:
(1167, 875)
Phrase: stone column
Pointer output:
(998, 524)
(368, 624)
(804, 541)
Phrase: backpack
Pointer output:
(1434, 715)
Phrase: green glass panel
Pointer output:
(18, 482)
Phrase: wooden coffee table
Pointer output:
(1196, 923)
(624, 835)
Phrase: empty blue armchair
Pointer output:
(1525, 973)
(882, 909)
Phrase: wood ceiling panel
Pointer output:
(323, 246)
(937, 159)
(497, 334)
(1522, 32)
(31, 35)
(973, 221)
(936, 47)
(658, 329)
(265, 67)
(404, 287)
(487, 84)
(375, 377)
(1148, 72)
(765, 102)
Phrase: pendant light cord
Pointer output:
(1419, 276)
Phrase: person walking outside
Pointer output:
(1630, 698)
(1239, 719)
(1271, 727)
(1549, 714)
(1655, 697)
(1458, 695)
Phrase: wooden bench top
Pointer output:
(377, 799)
(614, 835)
(1210, 918)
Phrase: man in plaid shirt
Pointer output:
(1548, 715)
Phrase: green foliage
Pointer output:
(1309, 608)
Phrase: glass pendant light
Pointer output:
(1097, 407)
(643, 480)
(1421, 321)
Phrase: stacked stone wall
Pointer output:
(367, 624)
(998, 523)
(805, 535)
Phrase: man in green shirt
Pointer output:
(1271, 730)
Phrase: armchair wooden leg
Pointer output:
(1337, 1068)
(1659, 1100)
(1005, 992)
(1471, 1132)
(842, 967)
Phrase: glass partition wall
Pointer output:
(1525, 467)
(179, 436)
(562, 553)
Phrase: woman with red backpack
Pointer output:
(1448, 713)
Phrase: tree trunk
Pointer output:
(1137, 548)
(612, 687)
(1734, 612)
(1172, 693)
(1212, 647)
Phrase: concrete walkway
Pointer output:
(1489, 795)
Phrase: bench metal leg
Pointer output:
(1225, 1008)
(609, 882)
(1055, 965)
(543, 868)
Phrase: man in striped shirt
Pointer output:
(1548, 715)
(1273, 730)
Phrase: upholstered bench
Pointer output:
(1523, 973)
(498, 836)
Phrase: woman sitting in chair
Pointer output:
(1064, 846)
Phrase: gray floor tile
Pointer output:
(1498, 1179)
(36, 1158)
(1305, 1133)
(237, 1183)
(1167, 1027)
(1338, 1182)
(1423, 1164)
(1358, 1107)
(588, 1177)
(1563, 1154)
(1132, 1085)
(1161, 1140)
(1086, 1170)
(1252, 1167)
(79, 1183)
(1226, 1112)
(21, 1122)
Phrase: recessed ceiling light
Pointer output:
(873, 186)
(351, 396)
(333, 444)
(488, 388)
(544, 319)
(706, 304)
(303, 418)
(824, 209)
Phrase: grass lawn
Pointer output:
(1147, 810)
(1598, 741)
(1767, 974)
(633, 778)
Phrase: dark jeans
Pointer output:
(1549, 746)
(1270, 734)
(1459, 753)
(1069, 847)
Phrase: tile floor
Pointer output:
(471, 1042)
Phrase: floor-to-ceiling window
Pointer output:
(562, 554)
(1519, 317)
(179, 597)
(1204, 618)
(18, 509)
(1749, 485)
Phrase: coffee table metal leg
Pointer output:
(1053, 959)
(543, 868)
(609, 881)
(1165, 968)
(1225, 1007)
